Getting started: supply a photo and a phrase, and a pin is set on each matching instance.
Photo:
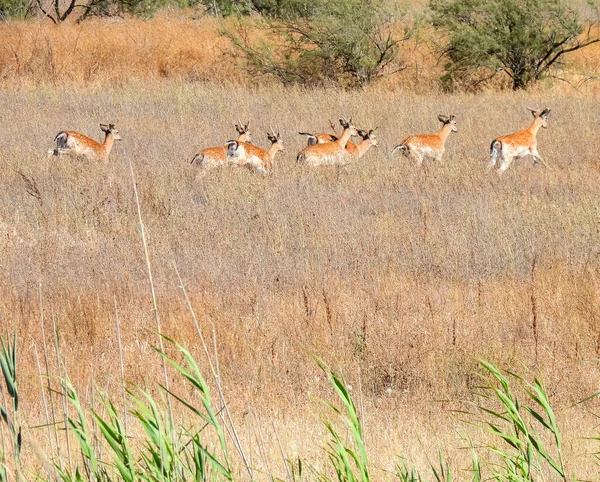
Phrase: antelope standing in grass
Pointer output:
(504, 150)
(320, 138)
(69, 142)
(329, 153)
(253, 157)
(213, 157)
(429, 145)
(356, 151)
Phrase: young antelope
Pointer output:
(504, 150)
(212, 157)
(429, 145)
(253, 157)
(69, 142)
(329, 153)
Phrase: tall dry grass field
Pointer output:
(403, 277)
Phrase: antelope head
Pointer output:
(242, 129)
(448, 120)
(541, 115)
(368, 135)
(276, 140)
(347, 124)
(110, 129)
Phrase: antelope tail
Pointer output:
(401, 147)
(232, 147)
(198, 158)
(312, 140)
(496, 147)
(300, 158)
(61, 140)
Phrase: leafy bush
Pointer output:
(524, 39)
(347, 42)
(13, 9)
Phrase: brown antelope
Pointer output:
(212, 157)
(506, 149)
(429, 145)
(356, 151)
(329, 153)
(320, 138)
(253, 157)
(69, 142)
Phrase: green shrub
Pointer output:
(523, 39)
(344, 42)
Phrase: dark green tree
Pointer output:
(524, 39)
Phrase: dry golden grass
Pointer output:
(403, 275)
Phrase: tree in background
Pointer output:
(524, 39)
(14, 9)
(60, 10)
(347, 42)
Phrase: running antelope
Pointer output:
(320, 138)
(520, 144)
(212, 157)
(69, 142)
(329, 153)
(356, 151)
(255, 158)
(429, 145)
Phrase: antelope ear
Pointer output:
(545, 112)
(452, 117)
(362, 133)
(442, 118)
(534, 112)
(111, 126)
(104, 127)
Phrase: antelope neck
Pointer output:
(363, 147)
(344, 138)
(109, 140)
(535, 125)
(445, 132)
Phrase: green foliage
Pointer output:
(270, 8)
(347, 42)
(520, 426)
(17, 9)
(522, 38)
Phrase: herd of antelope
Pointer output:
(322, 149)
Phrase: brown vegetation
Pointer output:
(401, 276)
(176, 46)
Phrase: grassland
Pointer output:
(400, 276)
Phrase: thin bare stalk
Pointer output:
(48, 386)
(215, 372)
(37, 361)
(64, 392)
(154, 304)
(285, 465)
(261, 447)
(123, 391)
